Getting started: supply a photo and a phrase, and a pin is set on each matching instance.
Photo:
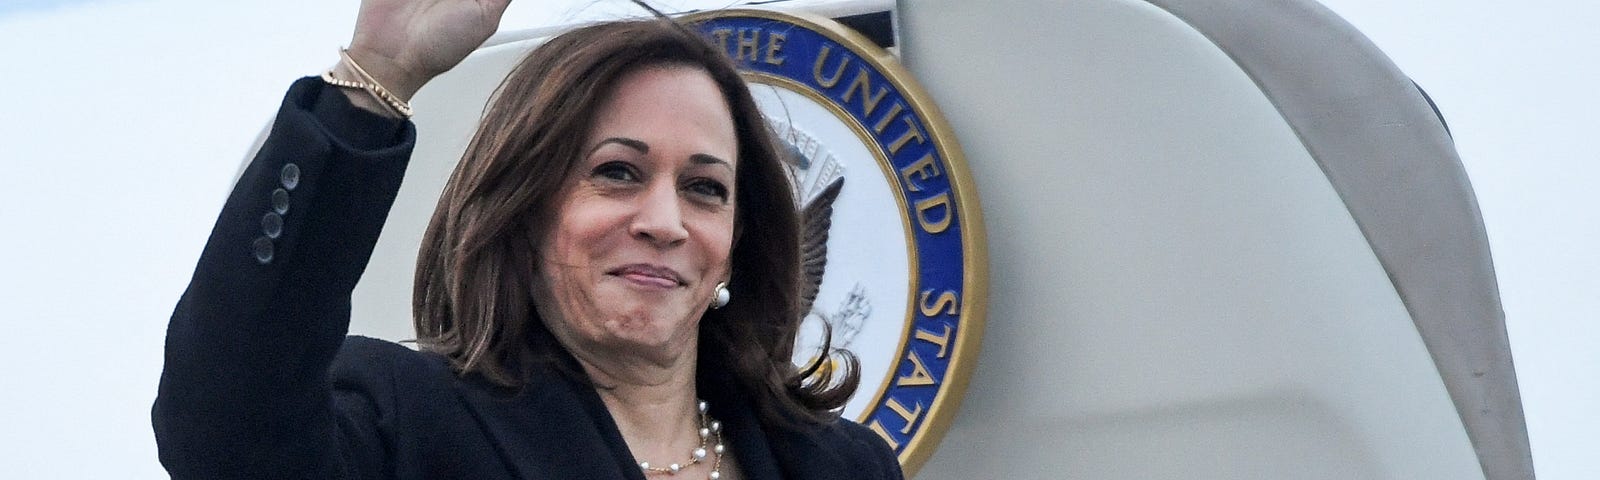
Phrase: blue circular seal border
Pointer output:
(940, 346)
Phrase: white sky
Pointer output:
(122, 122)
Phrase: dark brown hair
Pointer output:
(475, 271)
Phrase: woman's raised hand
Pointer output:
(405, 43)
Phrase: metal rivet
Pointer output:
(272, 225)
(290, 176)
(280, 201)
(263, 250)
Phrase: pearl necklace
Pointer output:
(708, 428)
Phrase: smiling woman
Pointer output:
(608, 287)
(644, 226)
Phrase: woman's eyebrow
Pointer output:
(706, 159)
(624, 141)
(636, 144)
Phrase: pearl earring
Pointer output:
(721, 297)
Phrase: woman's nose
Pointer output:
(659, 216)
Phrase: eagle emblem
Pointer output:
(816, 178)
(908, 245)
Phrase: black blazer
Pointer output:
(260, 380)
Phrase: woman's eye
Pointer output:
(618, 171)
(709, 189)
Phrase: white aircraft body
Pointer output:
(1213, 239)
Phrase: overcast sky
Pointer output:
(122, 122)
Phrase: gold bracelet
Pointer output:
(369, 84)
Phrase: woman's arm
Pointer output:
(245, 390)
(244, 384)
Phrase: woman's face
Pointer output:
(644, 223)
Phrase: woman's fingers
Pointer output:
(405, 43)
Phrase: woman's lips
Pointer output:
(649, 275)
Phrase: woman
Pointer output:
(607, 288)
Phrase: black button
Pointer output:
(263, 249)
(272, 225)
(280, 201)
(290, 176)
